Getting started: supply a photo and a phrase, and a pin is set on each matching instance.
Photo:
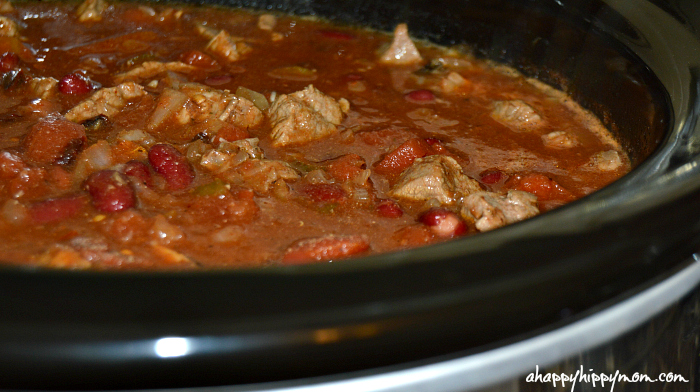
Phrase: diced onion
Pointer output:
(361, 195)
(165, 231)
(196, 150)
(94, 158)
(14, 212)
(295, 73)
(169, 101)
(137, 136)
(258, 99)
(227, 234)
(317, 176)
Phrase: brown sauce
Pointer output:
(186, 170)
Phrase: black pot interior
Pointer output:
(90, 331)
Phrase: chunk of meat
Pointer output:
(106, 101)
(516, 114)
(6, 6)
(434, 177)
(559, 140)
(8, 27)
(267, 22)
(303, 116)
(260, 174)
(207, 103)
(43, 87)
(242, 163)
(52, 139)
(149, 69)
(607, 160)
(231, 154)
(453, 82)
(491, 210)
(91, 10)
(229, 47)
(326, 248)
(402, 50)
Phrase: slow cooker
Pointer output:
(604, 284)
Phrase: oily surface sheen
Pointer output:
(146, 137)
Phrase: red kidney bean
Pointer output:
(492, 176)
(218, 80)
(73, 84)
(110, 191)
(55, 210)
(139, 171)
(172, 165)
(8, 62)
(353, 77)
(420, 96)
(389, 209)
(443, 223)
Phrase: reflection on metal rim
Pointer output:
(491, 367)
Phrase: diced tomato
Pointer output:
(55, 210)
(324, 248)
(74, 84)
(403, 156)
(346, 167)
(493, 176)
(10, 165)
(60, 178)
(541, 186)
(199, 60)
(230, 207)
(229, 133)
(414, 235)
(438, 146)
(8, 62)
(52, 138)
(127, 226)
(324, 193)
(389, 209)
(126, 150)
(110, 191)
(29, 184)
(172, 165)
(338, 35)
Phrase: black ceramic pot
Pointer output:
(632, 62)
